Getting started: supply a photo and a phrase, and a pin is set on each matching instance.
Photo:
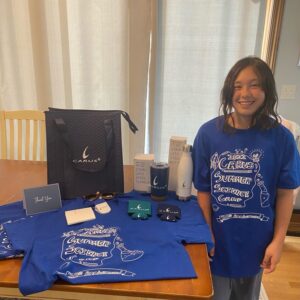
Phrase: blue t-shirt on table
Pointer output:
(9, 213)
(111, 248)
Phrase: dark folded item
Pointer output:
(168, 212)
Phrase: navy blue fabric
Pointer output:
(9, 213)
(111, 248)
(169, 213)
(242, 171)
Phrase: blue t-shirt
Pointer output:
(242, 171)
(9, 213)
(111, 248)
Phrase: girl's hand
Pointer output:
(272, 257)
(212, 250)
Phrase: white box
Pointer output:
(175, 151)
(79, 215)
(142, 163)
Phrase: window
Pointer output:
(198, 42)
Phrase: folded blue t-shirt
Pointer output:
(8, 214)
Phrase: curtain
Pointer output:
(91, 54)
(198, 42)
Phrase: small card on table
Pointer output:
(42, 199)
(80, 215)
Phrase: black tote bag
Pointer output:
(84, 150)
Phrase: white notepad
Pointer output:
(79, 215)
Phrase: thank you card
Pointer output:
(42, 199)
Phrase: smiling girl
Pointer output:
(249, 215)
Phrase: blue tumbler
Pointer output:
(159, 176)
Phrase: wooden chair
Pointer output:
(25, 132)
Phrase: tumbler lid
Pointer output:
(159, 165)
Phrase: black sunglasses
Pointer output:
(98, 195)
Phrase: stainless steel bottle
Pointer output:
(185, 174)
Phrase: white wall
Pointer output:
(287, 73)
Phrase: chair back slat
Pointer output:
(20, 139)
(11, 138)
(3, 136)
(43, 141)
(27, 140)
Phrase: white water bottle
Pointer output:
(185, 174)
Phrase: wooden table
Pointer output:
(17, 175)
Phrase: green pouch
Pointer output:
(139, 209)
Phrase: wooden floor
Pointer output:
(284, 283)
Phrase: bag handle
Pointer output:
(109, 129)
(63, 130)
(132, 126)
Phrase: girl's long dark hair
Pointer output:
(261, 118)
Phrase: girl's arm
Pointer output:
(284, 206)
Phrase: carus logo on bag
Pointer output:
(84, 155)
(85, 158)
